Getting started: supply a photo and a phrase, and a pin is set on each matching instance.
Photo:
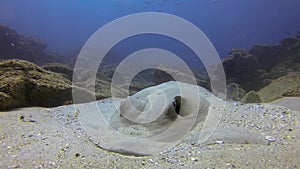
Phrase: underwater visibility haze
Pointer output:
(97, 83)
(66, 25)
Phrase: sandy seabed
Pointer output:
(53, 138)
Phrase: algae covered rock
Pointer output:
(7, 101)
(25, 84)
(13, 91)
(235, 91)
(59, 68)
(251, 97)
(285, 86)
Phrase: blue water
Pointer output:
(66, 24)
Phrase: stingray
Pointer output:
(158, 118)
(291, 103)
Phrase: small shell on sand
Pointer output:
(270, 139)
(195, 159)
(220, 142)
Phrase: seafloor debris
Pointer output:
(270, 139)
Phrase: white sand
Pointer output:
(51, 138)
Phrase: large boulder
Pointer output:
(251, 97)
(242, 68)
(285, 86)
(25, 84)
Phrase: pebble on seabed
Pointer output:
(220, 142)
(270, 139)
(181, 164)
(194, 159)
(151, 160)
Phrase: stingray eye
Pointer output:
(177, 104)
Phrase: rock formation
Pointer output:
(242, 68)
(16, 46)
(262, 64)
(285, 86)
(235, 91)
(251, 97)
(25, 84)
(59, 68)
